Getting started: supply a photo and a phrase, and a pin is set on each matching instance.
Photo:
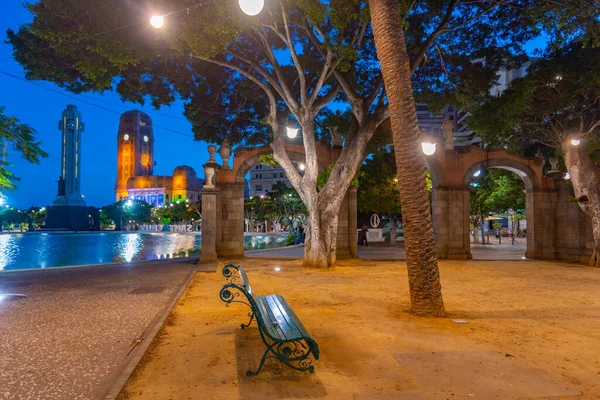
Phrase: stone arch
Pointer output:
(248, 163)
(436, 171)
(525, 172)
(229, 198)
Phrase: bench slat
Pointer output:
(291, 315)
(285, 327)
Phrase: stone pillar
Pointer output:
(208, 254)
(342, 248)
(574, 227)
(230, 232)
(353, 221)
(541, 224)
(450, 213)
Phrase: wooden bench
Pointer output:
(288, 342)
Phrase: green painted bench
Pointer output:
(287, 340)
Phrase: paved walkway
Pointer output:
(67, 338)
(493, 251)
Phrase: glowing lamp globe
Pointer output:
(428, 148)
(302, 167)
(292, 132)
(575, 142)
(567, 176)
(252, 7)
(157, 21)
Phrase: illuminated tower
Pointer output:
(69, 188)
(135, 149)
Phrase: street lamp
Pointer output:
(575, 142)
(292, 132)
(302, 167)
(157, 21)
(428, 148)
(567, 175)
(477, 174)
(252, 7)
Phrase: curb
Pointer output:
(111, 390)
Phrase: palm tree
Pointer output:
(423, 273)
(22, 139)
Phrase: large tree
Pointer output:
(558, 105)
(244, 78)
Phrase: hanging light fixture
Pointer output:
(428, 148)
(292, 132)
(252, 7)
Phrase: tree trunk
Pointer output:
(421, 258)
(585, 177)
(320, 244)
(482, 230)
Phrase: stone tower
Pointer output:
(135, 149)
(69, 184)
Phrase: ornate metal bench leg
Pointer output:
(262, 362)
(249, 322)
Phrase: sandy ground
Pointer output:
(532, 332)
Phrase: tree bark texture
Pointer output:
(423, 273)
(585, 177)
(323, 206)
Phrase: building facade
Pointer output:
(135, 167)
(263, 178)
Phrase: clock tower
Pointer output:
(135, 149)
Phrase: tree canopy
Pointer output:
(20, 138)
(557, 101)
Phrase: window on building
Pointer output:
(258, 188)
(282, 175)
(179, 197)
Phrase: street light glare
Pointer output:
(302, 167)
(428, 148)
(575, 142)
(252, 7)
(157, 21)
(292, 132)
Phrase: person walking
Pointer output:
(362, 236)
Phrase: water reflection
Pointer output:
(44, 250)
(129, 246)
(8, 250)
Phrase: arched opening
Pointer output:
(258, 207)
(500, 196)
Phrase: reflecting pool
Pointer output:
(45, 250)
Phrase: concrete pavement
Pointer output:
(67, 339)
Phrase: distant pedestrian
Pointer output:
(362, 236)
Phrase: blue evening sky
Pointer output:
(40, 105)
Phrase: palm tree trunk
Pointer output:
(423, 273)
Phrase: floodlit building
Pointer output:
(135, 167)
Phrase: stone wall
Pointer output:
(230, 217)
(450, 213)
